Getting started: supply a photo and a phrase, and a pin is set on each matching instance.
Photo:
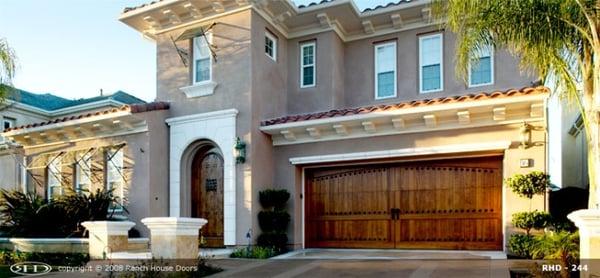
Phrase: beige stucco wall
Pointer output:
(146, 151)
(10, 173)
(233, 73)
(290, 176)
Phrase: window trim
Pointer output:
(49, 187)
(86, 159)
(274, 40)
(313, 44)
(377, 46)
(421, 38)
(492, 72)
(111, 153)
(210, 60)
(12, 122)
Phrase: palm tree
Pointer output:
(559, 40)
(7, 67)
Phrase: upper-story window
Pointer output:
(307, 65)
(83, 172)
(114, 173)
(8, 123)
(54, 178)
(385, 70)
(431, 73)
(202, 66)
(481, 68)
(270, 45)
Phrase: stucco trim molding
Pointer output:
(444, 149)
(220, 128)
(199, 90)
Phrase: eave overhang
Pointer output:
(340, 16)
(111, 124)
(427, 118)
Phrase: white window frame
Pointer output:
(376, 90)
(421, 38)
(196, 57)
(108, 163)
(492, 72)
(83, 165)
(314, 64)
(55, 163)
(12, 122)
(271, 37)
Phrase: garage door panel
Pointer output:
(445, 204)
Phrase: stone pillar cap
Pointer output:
(174, 225)
(109, 226)
(585, 217)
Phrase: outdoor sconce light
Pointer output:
(525, 135)
(240, 151)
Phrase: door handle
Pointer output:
(395, 213)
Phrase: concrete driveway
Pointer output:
(331, 263)
(361, 268)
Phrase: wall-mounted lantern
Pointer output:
(525, 135)
(240, 151)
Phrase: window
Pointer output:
(54, 178)
(271, 46)
(202, 65)
(8, 123)
(481, 68)
(385, 70)
(431, 74)
(307, 65)
(114, 172)
(83, 172)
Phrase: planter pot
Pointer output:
(174, 237)
(107, 237)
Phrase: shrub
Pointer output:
(255, 252)
(521, 245)
(562, 246)
(273, 220)
(276, 240)
(64, 259)
(531, 220)
(530, 184)
(273, 198)
(29, 215)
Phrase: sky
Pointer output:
(75, 48)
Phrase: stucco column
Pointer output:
(588, 222)
(174, 237)
(107, 237)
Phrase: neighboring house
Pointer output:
(358, 114)
(567, 149)
(22, 108)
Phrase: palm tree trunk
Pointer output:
(591, 105)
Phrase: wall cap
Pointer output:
(585, 218)
(108, 227)
(174, 226)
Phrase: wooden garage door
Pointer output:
(443, 204)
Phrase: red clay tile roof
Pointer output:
(403, 105)
(133, 108)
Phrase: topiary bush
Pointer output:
(534, 183)
(273, 198)
(276, 240)
(273, 220)
(522, 245)
(529, 220)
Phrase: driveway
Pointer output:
(361, 268)
(331, 263)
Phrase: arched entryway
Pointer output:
(207, 194)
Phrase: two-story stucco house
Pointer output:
(358, 114)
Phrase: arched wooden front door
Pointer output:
(207, 195)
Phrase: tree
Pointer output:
(559, 40)
(7, 67)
